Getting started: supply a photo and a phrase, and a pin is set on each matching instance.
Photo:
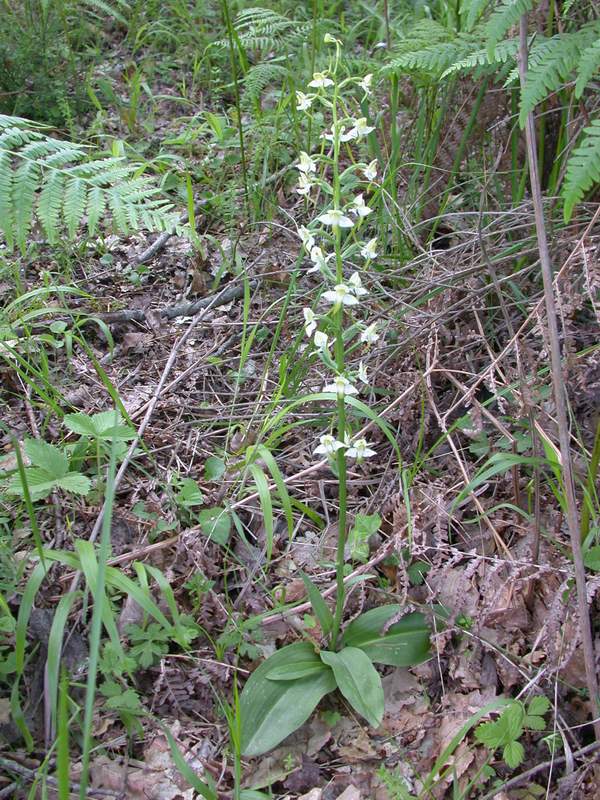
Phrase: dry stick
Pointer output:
(560, 394)
(215, 301)
(32, 775)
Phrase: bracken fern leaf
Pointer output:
(583, 168)
(56, 182)
(588, 66)
(503, 19)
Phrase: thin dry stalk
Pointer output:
(560, 394)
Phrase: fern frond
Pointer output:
(433, 59)
(503, 19)
(504, 52)
(59, 184)
(264, 29)
(583, 168)
(588, 65)
(261, 76)
(551, 63)
(472, 12)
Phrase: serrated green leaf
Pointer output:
(39, 482)
(319, 605)
(534, 723)
(47, 456)
(513, 754)
(271, 710)
(538, 705)
(358, 681)
(404, 644)
(74, 482)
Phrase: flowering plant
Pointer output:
(282, 693)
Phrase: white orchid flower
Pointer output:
(340, 386)
(308, 240)
(304, 184)
(319, 259)
(306, 163)
(303, 101)
(356, 286)
(336, 218)
(341, 295)
(362, 373)
(320, 81)
(370, 335)
(370, 171)
(361, 128)
(360, 449)
(342, 135)
(328, 446)
(359, 207)
(321, 340)
(365, 83)
(310, 321)
(368, 250)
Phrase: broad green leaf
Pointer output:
(45, 455)
(358, 681)
(403, 644)
(591, 559)
(189, 494)
(216, 524)
(74, 482)
(535, 723)
(365, 525)
(214, 468)
(271, 710)
(319, 605)
(103, 425)
(300, 669)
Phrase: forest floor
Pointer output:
(460, 374)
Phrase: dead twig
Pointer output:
(560, 393)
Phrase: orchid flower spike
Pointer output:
(368, 250)
(370, 171)
(328, 446)
(321, 340)
(310, 321)
(306, 237)
(303, 101)
(361, 128)
(304, 184)
(360, 449)
(341, 295)
(306, 163)
(359, 207)
(369, 335)
(340, 386)
(356, 286)
(336, 218)
(320, 81)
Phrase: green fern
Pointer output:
(551, 64)
(589, 64)
(583, 168)
(260, 77)
(503, 53)
(429, 48)
(261, 29)
(503, 19)
(56, 183)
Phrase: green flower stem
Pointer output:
(338, 321)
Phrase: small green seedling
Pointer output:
(506, 731)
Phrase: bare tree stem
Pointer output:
(560, 394)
